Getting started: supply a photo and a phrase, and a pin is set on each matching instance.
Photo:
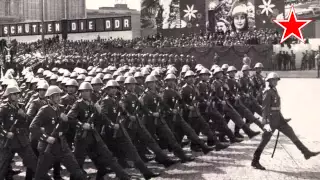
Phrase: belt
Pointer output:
(275, 108)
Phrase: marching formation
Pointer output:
(133, 114)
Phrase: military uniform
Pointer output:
(258, 86)
(157, 126)
(118, 139)
(90, 142)
(9, 118)
(48, 118)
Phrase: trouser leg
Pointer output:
(5, 159)
(69, 161)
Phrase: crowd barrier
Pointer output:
(232, 55)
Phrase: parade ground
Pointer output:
(300, 101)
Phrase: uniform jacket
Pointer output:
(8, 116)
(271, 113)
(34, 107)
(68, 100)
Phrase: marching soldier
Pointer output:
(172, 101)
(48, 126)
(136, 129)
(258, 83)
(190, 96)
(67, 101)
(226, 107)
(155, 123)
(14, 133)
(96, 85)
(88, 141)
(274, 120)
(114, 133)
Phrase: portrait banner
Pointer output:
(231, 15)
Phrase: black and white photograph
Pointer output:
(159, 89)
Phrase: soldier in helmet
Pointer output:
(136, 129)
(210, 111)
(14, 133)
(48, 126)
(258, 82)
(97, 84)
(139, 89)
(274, 120)
(114, 132)
(67, 101)
(225, 106)
(190, 96)
(155, 122)
(173, 116)
(85, 114)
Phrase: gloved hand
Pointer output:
(267, 128)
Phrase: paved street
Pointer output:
(300, 99)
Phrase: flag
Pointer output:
(192, 14)
(266, 11)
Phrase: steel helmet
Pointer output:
(66, 73)
(130, 80)
(145, 72)
(217, 70)
(116, 73)
(83, 71)
(155, 73)
(90, 68)
(120, 79)
(43, 86)
(150, 78)
(214, 67)
(232, 68)
(112, 68)
(112, 83)
(198, 66)
(107, 77)
(81, 77)
(60, 78)
(98, 70)
(185, 69)
(205, 71)
(48, 74)
(85, 86)
(174, 69)
(91, 73)
(74, 75)
(170, 77)
(189, 73)
(127, 74)
(53, 90)
(40, 71)
(258, 65)
(55, 69)
(170, 71)
(245, 68)
(88, 79)
(72, 82)
(225, 66)
(11, 89)
(138, 74)
(272, 75)
(10, 82)
(65, 80)
(100, 75)
(54, 77)
(96, 80)
(105, 70)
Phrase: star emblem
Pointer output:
(292, 26)
(190, 12)
(266, 7)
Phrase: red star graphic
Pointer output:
(292, 26)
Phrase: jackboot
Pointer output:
(305, 151)
(232, 137)
(56, 171)
(256, 158)
(237, 133)
(251, 134)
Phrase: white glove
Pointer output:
(64, 117)
(51, 140)
(10, 135)
(267, 128)
(86, 126)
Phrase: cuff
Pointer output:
(79, 124)
(43, 137)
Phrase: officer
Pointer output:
(191, 96)
(258, 82)
(116, 136)
(48, 126)
(14, 133)
(273, 120)
(67, 101)
(85, 114)
(172, 101)
(155, 123)
(226, 107)
(136, 129)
